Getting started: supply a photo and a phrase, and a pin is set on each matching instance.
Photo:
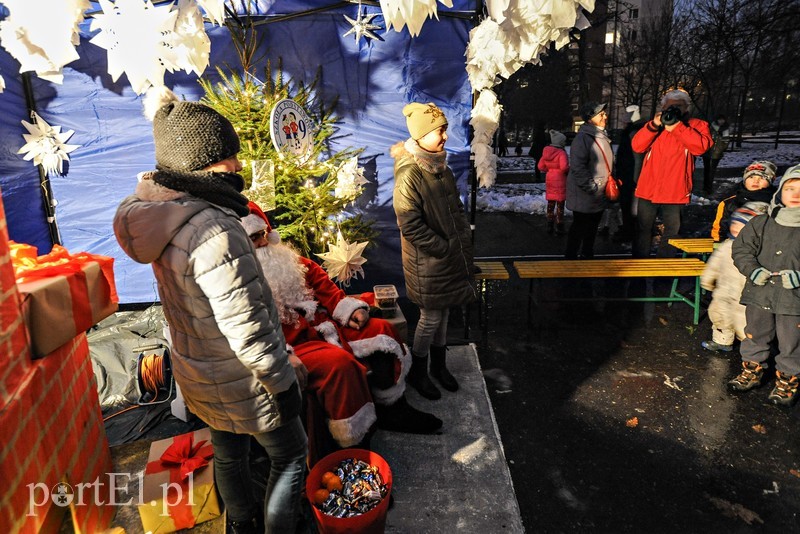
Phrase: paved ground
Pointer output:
(615, 420)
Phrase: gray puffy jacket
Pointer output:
(228, 351)
(588, 174)
(434, 235)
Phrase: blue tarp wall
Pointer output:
(372, 79)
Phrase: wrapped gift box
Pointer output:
(184, 465)
(62, 294)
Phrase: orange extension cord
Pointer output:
(152, 372)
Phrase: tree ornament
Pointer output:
(42, 34)
(349, 180)
(344, 260)
(133, 33)
(187, 47)
(46, 145)
(362, 26)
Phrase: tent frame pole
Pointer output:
(44, 181)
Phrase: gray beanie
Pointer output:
(189, 136)
(557, 138)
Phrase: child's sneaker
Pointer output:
(749, 378)
(785, 390)
(716, 347)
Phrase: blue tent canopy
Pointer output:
(373, 80)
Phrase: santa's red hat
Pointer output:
(258, 221)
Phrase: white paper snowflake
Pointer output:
(187, 47)
(349, 180)
(411, 13)
(46, 145)
(215, 9)
(362, 26)
(133, 33)
(485, 120)
(344, 260)
(2, 84)
(42, 34)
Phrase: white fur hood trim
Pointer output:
(346, 307)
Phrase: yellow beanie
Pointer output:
(423, 118)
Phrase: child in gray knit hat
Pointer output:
(229, 354)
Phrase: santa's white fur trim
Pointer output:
(329, 333)
(253, 223)
(273, 237)
(346, 307)
(149, 190)
(156, 98)
(383, 343)
(348, 432)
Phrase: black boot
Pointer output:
(419, 379)
(402, 417)
(251, 526)
(439, 369)
(551, 226)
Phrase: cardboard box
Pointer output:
(178, 484)
(64, 295)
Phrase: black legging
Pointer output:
(581, 235)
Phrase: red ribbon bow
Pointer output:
(186, 455)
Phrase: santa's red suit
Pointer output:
(314, 314)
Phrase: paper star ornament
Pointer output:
(362, 26)
(133, 32)
(187, 47)
(343, 261)
(2, 84)
(42, 34)
(349, 180)
(46, 145)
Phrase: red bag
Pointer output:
(612, 189)
(612, 184)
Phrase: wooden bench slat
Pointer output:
(610, 268)
(696, 245)
(492, 270)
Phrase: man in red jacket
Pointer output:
(670, 143)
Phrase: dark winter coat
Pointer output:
(555, 163)
(765, 243)
(588, 173)
(434, 235)
(228, 352)
(668, 167)
(740, 197)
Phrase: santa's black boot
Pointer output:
(439, 369)
(402, 417)
(419, 379)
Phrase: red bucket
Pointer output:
(372, 522)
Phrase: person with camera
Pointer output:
(670, 142)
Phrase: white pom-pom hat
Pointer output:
(257, 221)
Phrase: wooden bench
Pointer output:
(702, 246)
(490, 270)
(619, 268)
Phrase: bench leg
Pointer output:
(696, 299)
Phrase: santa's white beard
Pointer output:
(286, 277)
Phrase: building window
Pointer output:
(634, 14)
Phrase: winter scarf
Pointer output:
(433, 162)
(787, 216)
(220, 188)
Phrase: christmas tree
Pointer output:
(312, 191)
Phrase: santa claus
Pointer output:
(356, 364)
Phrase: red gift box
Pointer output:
(178, 490)
(63, 294)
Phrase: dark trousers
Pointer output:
(709, 170)
(762, 328)
(645, 218)
(581, 235)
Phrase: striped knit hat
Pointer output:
(765, 169)
(742, 216)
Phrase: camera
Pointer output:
(671, 115)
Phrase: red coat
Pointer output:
(555, 163)
(668, 167)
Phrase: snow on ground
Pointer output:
(529, 198)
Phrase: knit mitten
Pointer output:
(760, 276)
(790, 279)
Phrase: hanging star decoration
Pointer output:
(343, 261)
(362, 26)
(349, 180)
(46, 145)
(2, 84)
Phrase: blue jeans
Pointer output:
(431, 330)
(286, 447)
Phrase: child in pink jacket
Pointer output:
(555, 163)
